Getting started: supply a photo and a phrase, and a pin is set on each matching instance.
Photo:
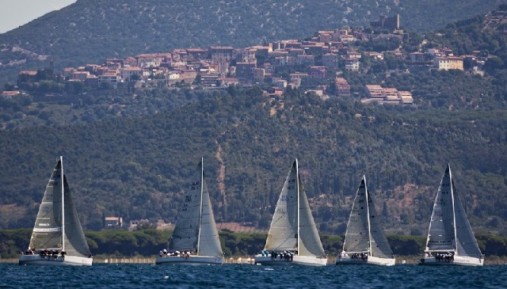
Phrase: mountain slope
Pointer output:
(93, 30)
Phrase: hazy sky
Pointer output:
(14, 13)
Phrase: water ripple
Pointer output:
(126, 276)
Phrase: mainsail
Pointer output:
(364, 233)
(283, 231)
(47, 232)
(196, 228)
(58, 227)
(356, 235)
(441, 235)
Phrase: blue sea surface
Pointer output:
(251, 276)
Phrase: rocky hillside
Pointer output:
(93, 30)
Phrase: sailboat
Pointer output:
(57, 237)
(450, 236)
(195, 237)
(365, 242)
(292, 236)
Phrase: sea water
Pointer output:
(251, 276)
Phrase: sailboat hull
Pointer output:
(191, 260)
(310, 260)
(267, 260)
(296, 260)
(371, 260)
(55, 261)
(457, 260)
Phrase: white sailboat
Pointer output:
(57, 237)
(451, 240)
(365, 242)
(293, 236)
(195, 238)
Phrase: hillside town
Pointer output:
(316, 65)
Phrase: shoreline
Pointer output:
(247, 260)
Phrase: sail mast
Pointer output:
(451, 185)
(298, 199)
(200, 205)
(63, 203)
(367, 197)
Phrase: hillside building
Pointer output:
(448, 63)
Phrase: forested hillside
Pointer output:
(92, 30)
(137, 167)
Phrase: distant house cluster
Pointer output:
(222, 66)
(439, 59)
(314, 65)
(387, 95)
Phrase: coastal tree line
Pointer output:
(148, 243)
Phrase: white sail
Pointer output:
(47, 231)
(450, 236)
(195, 235)
(185, 236)
(356, 235)
(283, 231)
(309, 240)
(57, 226)
(365, 241)
(209, 241)
(293, 236)
(75, 243)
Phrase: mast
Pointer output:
(200, 206)
(451, 185)
(367, 213)
(298, 208)
(63, 203)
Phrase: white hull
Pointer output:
(55, 261)
(457, 260)
(381, 261)
(297, 260)
(310, 260)
(368, 261)
(267, 260)
(192, 259)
